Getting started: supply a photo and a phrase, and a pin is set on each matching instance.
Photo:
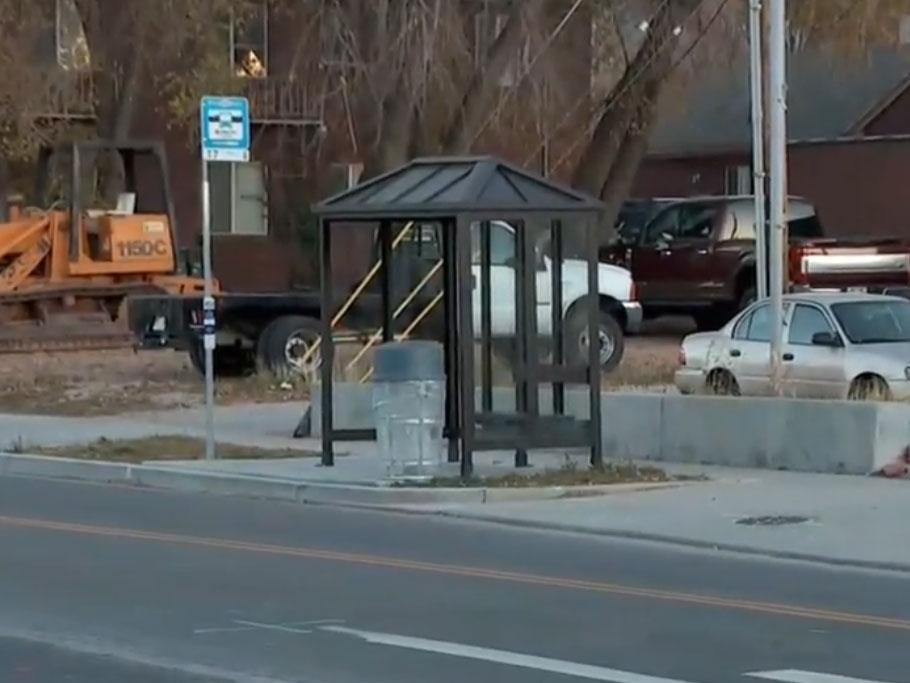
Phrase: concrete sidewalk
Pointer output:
(839, 520)
(853, 520)
(836, 519)
(849, 520)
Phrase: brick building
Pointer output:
(284, 59)
(848, 129)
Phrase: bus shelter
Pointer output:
(503, 239)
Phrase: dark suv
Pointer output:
(697, 256)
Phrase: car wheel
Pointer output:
(227, 361)
(869, 388)
(610, 337)
(288, 348)
(722, 383)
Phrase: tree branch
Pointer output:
(484, 84)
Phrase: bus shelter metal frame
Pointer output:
(455, 194)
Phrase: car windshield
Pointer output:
(874, 322)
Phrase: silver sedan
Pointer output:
(836, 345)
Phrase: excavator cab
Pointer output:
(117, 204)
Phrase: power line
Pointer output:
(616, 97)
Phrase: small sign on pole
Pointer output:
(225, 136)
(225, 129)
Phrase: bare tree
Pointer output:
(406, 77)
(618, 144)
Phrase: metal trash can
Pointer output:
(409, 406)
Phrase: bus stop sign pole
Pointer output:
(225, 138)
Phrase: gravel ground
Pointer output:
(111, 382)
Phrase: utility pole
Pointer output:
(778, 180)
(758, 146)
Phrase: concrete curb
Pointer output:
(390, 499)
(190, 480)
(64, 468)
(649, 537)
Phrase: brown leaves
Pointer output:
(848, 25)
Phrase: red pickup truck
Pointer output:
(697, 257)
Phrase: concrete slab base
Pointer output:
(840, 437)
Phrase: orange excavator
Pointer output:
(71, 257)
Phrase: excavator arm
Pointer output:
(28, 243)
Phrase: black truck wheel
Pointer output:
(611, 341)
(288, 348)
(227, 361)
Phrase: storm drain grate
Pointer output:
(772, 520)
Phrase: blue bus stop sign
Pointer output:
(225, 129)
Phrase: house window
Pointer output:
(738, 180)
(70, 43)
(238, 199)
(249, 36)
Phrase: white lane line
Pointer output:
(558, 666)
(273, 627)
(253, 625)
(222, 629)
(795, 676)
(313, 622)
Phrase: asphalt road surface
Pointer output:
(103, 583)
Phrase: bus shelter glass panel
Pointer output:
(494, 316)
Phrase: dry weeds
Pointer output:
(163, 448)
(112, 382)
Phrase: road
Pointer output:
(105, 583)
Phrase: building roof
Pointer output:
(829, 96)
(454, 185)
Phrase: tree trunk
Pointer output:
(484, 85)
(631, 153)
(397, 134)
(651, 60)
(397, 131)
(631, 104)
(115, 46)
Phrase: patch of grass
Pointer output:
(164, 448)
(567, 475)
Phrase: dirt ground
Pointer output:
(111, 382)
(162, 448)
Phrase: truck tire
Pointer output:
(612, 340)
(285, 348)
(227, 361)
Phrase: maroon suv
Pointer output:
(697, 257)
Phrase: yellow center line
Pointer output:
(778, 609)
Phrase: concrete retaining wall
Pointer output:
(793, 434)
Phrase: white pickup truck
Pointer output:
(620, 313)
(277, 331)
